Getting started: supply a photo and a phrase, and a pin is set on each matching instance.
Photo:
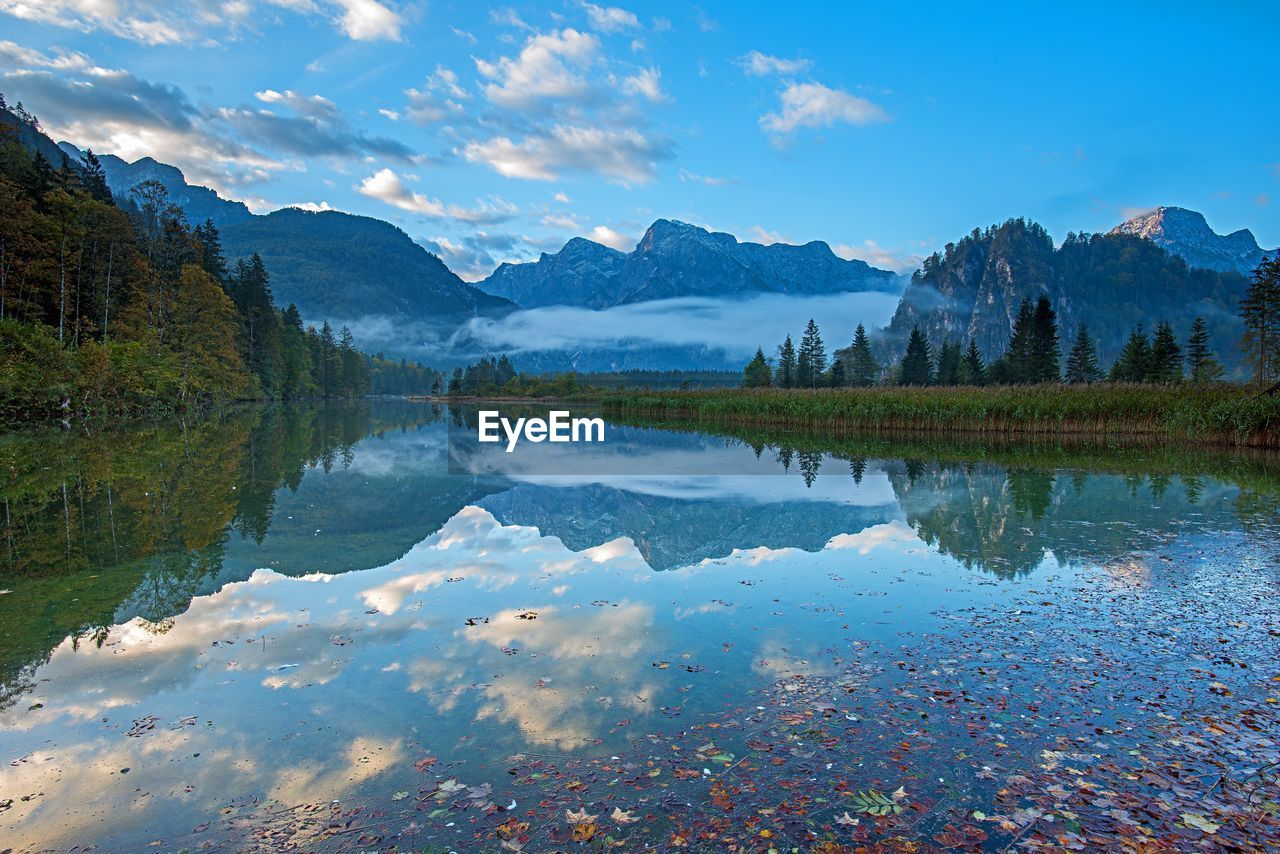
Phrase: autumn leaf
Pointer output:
(622, 816)
(579, 817)
(1199, 822)
(424, 763)
(584, 832)
(846, 819)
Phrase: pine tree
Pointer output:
(1260, 311)
(837, 374)
(505, 372)
(1045, 353)
(785, 375)
(455, 383)
(916, 368)
(1134, 364)
(1019, 358)
(949, 360)
(1166, 356)
(1082, 362)
(812, 361)
(756, 373)
(95, 178)
(972, 369)
(1204, 367)
(862, 370)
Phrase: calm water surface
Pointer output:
(211, 630)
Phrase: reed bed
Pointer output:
(1219, 414)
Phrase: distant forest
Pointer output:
(118, 305)
(1034, 353)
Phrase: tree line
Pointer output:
(118, 304)
(1034, 352)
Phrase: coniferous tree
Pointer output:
(95, 178)
(1019, 358)
(1203, 366)
(1166, 356)
(838, 379)
(455, 382)
(949, 360)
(1134, 364)
(1082, 362)
(916, 367)
(811, 363)
(756, 373)
(862, 370)
(785, 375)
(505, 372)
(1045, 352)
(1260, 311)
(972, 369)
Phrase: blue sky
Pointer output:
(494, 132)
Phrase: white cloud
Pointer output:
(878, 256)
(386, 186)
(369, 20)
(390, 114)
(688, 177)
(607, 236)
(316, 106)
(561, 220)
(646, 83)
(438, 98)
(181, 21)
(507, 17)
(759, 64)
(610, 19)
(563, 198)
(734, 326)
(623, 156)
(814, 105)
(763, 235)
(548, 66)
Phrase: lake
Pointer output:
(315, 627)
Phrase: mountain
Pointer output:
(1110, 282)
(339, 265)
(28, 134)
(675, 259)
(199, 203)
(1186, 234)
(332, 265)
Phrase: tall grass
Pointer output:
(1218, 414)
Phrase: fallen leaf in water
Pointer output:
(579, 817)
(622, 816)
(1199, 822)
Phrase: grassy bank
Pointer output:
(1218, 414)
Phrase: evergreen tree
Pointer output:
(1045, 352)
(1019, 358)
(838, 378)
(1260, 311)
(785, 376)
(1082, 362)
(756, 373)
(916, 367)
(505, 371)
(1166, 356)
(330, 363)
(949, 359)
(1134, 364)
(862, 368)
(972, 369)
(455, 383)
(812, 361)
(95, 178)
(1204, 367)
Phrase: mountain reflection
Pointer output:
(100, 528)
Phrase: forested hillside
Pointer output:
(1110, 282)
(112, 305)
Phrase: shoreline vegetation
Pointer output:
(1218, 414)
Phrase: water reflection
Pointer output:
(302, 605)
